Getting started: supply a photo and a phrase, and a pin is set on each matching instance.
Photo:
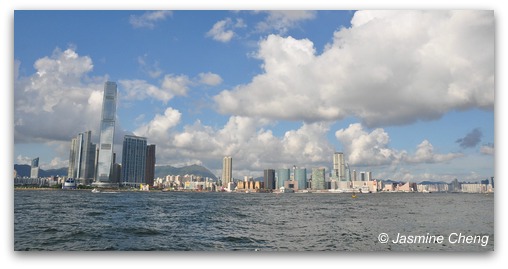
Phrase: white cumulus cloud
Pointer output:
(425, 154)
(252, 146)
(373, 149)
(221, 31)
(283, 20)
(388, 68)
(59, 100)
(209, 78)
(170, 86)
(158, 129)
(363, 148)
(149, 18)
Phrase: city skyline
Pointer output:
(268, 90)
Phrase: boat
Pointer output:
(69, 184)
(95, 190)
(353, 195)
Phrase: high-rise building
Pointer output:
(339, 166)
(301, 178)
(283, 175)
(82, 158)
(348, 173)
(134, 160)
(318, 178)
(150, 164)
(269, 179)
(362, 176)
(227, 171)
(34, 168)
(105, 158)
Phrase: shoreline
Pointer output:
(196, 191)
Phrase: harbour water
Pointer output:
(77, 220)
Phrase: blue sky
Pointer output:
(406, 94)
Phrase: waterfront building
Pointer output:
(34, 168)
(339, 166)
(301, 178)
(362, 176)
(227, 171)
(292, 185)
(438, 187)
(406, 187)
(475, 187)
(105, 158)
(365, 186)
(269, 179)
(150, 164)
(134, 160)
(82, 158)
(318, 178)
(354, 178)
(283, 175)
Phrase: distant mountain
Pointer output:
(164, 170)
(23, 170)
(432, 182)
(389, 181)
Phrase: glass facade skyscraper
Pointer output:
(269, 179)
(134, 160)
(301, 178)
(82, 158)
(283, 175)
(318, 179)
(105, 158)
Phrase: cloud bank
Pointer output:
(388, 68)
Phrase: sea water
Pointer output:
(79, 220)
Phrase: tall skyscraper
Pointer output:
(269, 179)
(227, 170)
(339, 166)
(134, 160)
(301, 178)
(105, 158)
(150, 164)
(283, 175)
(318, 179)
(82, 158)
(34, 168)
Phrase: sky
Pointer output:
(406, 94)
(446, 133)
